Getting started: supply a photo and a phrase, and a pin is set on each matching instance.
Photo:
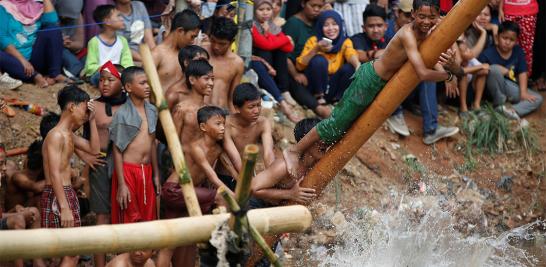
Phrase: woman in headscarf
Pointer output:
(29, 50)
(328, 58)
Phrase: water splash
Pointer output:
(417, 232)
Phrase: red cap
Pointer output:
(108, 66)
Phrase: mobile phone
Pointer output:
(329, 41)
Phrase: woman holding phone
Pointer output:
(328, 58)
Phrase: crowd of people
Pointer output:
(332, 57)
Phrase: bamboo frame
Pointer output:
(190, 198)
(46, 243)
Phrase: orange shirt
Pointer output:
(335, 60)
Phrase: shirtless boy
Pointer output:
(132, 131)
(246, 126)
(274, 185)
(201, 158)
(372, 76)
(140, 258)
(228, 66)
(179, 90)
(59, 202)
(185, 27)
(111, 98)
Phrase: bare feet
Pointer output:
(287, 110)
(50, 80)
(40, 81)
(60, 78)
(292, 160)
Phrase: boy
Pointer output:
(179, 90)
(138, 27)
(507, 78)
(59, 202)
(228, 66)
(246, 126)
(201, 158)
(100, 176)
(372, 76)
(107, 45)
(371, 43)
(185, 27)
(132, 132)
(200, 81)
(274, 185)
(140, 258)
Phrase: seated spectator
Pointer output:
(6, 82)
(138, 27)
(277, 8)
(300, 28)
(474, 33)
(89, 7)
(27, 53)
(371, 43)
(328, 58)
(270, 44)
(73, 31)
(507, 78)
(107, 45)
(476, 74)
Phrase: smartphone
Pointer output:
(329, 41)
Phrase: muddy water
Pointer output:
(418, 232)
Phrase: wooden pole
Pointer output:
(394, 92)
(173, 141)
(46, 243)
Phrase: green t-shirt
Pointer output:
(299, 32)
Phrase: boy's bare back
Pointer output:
(57, 150)
(168, 69)
(228, 71)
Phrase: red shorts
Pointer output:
(50, 210)
(138, 178)
(175, 206)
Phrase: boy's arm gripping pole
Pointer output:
(173, 141)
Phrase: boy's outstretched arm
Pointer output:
(199, 157)
(293, 153)
(267, 144)
(55, 147)
(231, 151)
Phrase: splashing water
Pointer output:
(419, 233)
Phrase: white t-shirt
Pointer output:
(110, 52)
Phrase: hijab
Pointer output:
(273, 28)
(25, 11)
(319, 24)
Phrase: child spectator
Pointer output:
(107, 45)
(475, 34)
(275, 185)
(507, 78)
(300, 28)
(179, 90)
(476, 74)
(271, 45)
(371, 43)
(138, 27)
(71, 22)
(247, 126)
(110, 100)
(228, 66)
(202, 155)
(59, 202)
(132, 131)
(524, 13)
(328, 58)
(26, 53)
(185, 27)
(139, 258)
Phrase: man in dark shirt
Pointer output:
(371, 43)
(507, 78)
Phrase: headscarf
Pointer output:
(109, 67)
(273, 28)
(25, 11)
(338, 42)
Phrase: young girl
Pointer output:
(328, 58)
(270, 48)
(277, 8)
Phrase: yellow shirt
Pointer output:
(335, 60)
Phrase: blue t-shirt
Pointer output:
(361, 41)
(22, 37)
(515, 63)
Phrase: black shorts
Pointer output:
(228, 181)
(4, 224)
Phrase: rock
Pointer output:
(505, 183)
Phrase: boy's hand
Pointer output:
(67, 219)
(302, 195)
(527, 96)
(93, 160)
(123, 197)
(91, 108)
(452, 90)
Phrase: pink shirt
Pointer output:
(520, 7)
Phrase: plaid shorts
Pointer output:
(50, 210)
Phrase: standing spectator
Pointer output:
(539, 48)
(328, 58)
(351, 11)
(27, 52)
(138, 27)
(71, 22)
(524, 13)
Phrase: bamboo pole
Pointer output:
(242, 190)
(173, 141)
(245, 13)
(394, 92)
(46, 243)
